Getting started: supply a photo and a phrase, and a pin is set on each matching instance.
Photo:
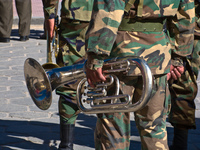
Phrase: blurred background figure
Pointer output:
(24, 12)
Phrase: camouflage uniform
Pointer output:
(75, 17)
(184, 90)
(139, 33)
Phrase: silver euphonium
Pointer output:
(40, 85)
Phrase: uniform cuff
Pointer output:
(50, 12)
(177, 61)
(94, 62)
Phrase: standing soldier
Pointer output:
(24, 12)
(184, 90)
(138, 32)
(75, 17)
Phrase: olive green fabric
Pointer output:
(24, 11)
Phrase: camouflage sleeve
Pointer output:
(106, 18)
(49, 8)
(182, 29)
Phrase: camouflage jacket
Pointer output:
(75, 9)
(104, 39)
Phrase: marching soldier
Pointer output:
(135, 28)
(184, 90)
(75, 17)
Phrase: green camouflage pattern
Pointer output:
(184, 90)
(75, 9)
(151, 46)
(113, 129)
(195, 60)
(75, 17)
(111, 132)
(71, 51)
(72, 42)
(74, 23)
(104, 40)
(68, 111)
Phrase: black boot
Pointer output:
(66, 136)
(180, 139)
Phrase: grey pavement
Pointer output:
(23, 126)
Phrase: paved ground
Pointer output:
(23, 126)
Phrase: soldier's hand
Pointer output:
(50, 23)
(94, 76)
(175, 72)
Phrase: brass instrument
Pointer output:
(40, 85)
(52, 48)
(55, 43)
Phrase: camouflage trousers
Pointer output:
(71, 51)
(68, 111)
(113, 129)
(183, 92)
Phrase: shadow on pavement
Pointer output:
(27, 134)
(34, 34)
(37, 135)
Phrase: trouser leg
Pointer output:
(112, 131)
(151, 120)
(24, 11)
(180, 139)
(68, 113)
(72, 51)
(6, 18)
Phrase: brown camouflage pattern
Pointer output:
(113, 130)
(151, 46)
(104, 40)
(184, 90)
